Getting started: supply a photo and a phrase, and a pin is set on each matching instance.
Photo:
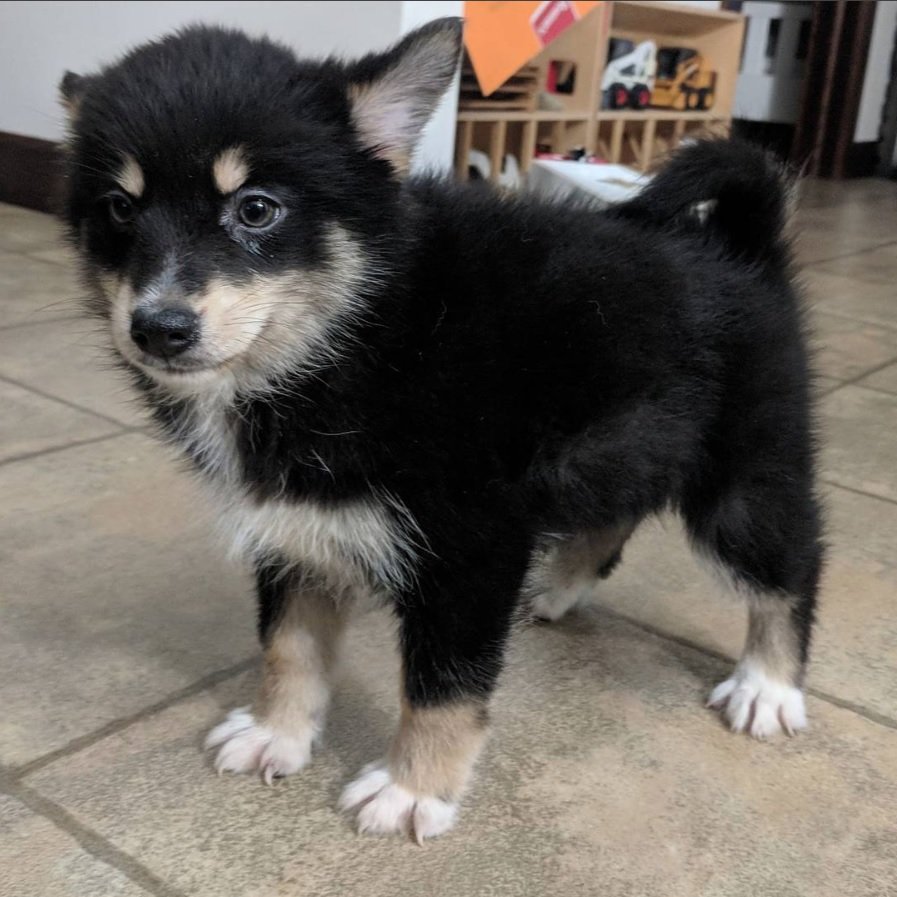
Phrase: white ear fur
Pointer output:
(71, 90)
(393, 95)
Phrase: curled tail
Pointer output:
(727, 187)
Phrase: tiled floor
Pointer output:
(124, 638)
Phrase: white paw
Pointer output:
(554, 600)
(247, 746)
(553, 604)
(385, 808)
(751, 701)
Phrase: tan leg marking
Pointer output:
(771, 639)
(566, 570)
(276, 736)
(586, 553)
(298, 661)
(435, 748)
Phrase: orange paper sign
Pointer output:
(503, 37)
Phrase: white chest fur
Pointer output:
(348, 542)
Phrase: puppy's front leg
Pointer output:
(300, 622)
(453, 631)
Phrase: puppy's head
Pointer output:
(231, 203)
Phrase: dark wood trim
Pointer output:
(830, 98)
(30, 172)
(858, 38)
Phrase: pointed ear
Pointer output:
(393, 94)
(71, 91)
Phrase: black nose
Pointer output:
(165, 331)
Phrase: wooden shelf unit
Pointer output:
(630, 137)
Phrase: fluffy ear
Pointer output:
(393, 94)
(71, 90)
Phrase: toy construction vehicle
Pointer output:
(684, 80)
(629, 76)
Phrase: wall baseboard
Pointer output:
(30, 172)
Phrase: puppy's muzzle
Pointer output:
(165, 332)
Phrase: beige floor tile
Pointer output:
(830, 194)
(61, 254)
(885, 379)
(856, 219)
(859, 427)
(817, 244)
(851, 227)
(22, 230)
(111, 596)
(872, 302)
(39, 860)
(71, 359)
(661, 585)
(605, 776)
(32, 423)
(34, 291)
(873, 266)
(845, 348)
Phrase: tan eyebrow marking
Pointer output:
(230, 170)
(130, 177)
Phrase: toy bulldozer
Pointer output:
(684, 80)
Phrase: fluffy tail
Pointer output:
(727, 187)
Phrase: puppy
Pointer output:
(411, 388)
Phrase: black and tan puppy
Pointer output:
(411, 388)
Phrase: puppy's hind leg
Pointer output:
(564, 570)
(768, 544)
(300, 622)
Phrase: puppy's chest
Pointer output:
(369, 539)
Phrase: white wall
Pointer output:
(436, 149)
(878, 72)
(40, 40)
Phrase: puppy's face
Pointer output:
(231, 203)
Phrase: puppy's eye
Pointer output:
(258, 211)
(121, 209)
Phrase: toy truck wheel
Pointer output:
(693, 100)
(705, 99)
(618, 96)
(639, 97)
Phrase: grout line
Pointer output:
(818, 309)
(878, 389)
(871, 715)
(62, 401)
(847, 255)
(17, 773)
(27, 456)
(836, 485)
(867, 373)
(855, 380)
(93, 843)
